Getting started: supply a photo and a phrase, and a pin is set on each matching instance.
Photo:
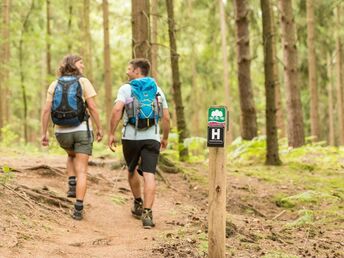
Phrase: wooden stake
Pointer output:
(217, 196)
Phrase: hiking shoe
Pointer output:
(136, 210)
(71, 191)
(147, 219)
(78, 215)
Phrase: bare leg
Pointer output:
(70, 164)
(149, 189)
(134, 182)
(80, 168)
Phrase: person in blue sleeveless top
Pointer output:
(141, 139)
(75, 140)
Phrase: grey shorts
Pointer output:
(78, 142)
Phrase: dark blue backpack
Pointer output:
(68, 107)
(143, 108)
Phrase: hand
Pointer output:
(99, 135)
(163, 144)
(45, 140)
(112, 142)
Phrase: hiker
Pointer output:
(144, 104)
(70, 102)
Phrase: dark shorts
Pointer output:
(145, 151)
(78, 142)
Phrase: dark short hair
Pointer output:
(68, 67)
(141, 63)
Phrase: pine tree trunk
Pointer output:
(195, 96)
(247, 106)
(140, 29)
(87, 46)
(70, 22)
(331, 135)
(177, 93)
(4, 64)
(296, 136)
(338, 77)
(107, 60)
(272, 156)
(225, 67)
(48, 38)
(154, 16)
(312, 79)
(280, 112)
(21, 70)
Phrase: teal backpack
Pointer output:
(144, 107)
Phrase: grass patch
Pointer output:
(306, 217)
(203, 243)
(118, 199)
(304, 198)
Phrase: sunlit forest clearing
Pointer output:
(276, 64)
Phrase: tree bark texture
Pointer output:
(296, 136)
(70, 22)
(141, 47)
(87, 46)
(4, 64)
(338, 77)
(107, 60)
(223, 28)
(247, 106)
(312, 78)
(48, 37)
(331, 135)
(280, 112)
(176, 84)
(272, 156)
(21, 69)
(154, 15)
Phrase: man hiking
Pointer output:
(70, 100)
(144, 104)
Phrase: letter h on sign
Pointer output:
(215, 134)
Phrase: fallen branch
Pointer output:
(165, 180)
(46, 197)
(46, 167)
(15, 192)
(250, 207)
(167, 165)
(279, 215)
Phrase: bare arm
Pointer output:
(45, 123)
(165, 128)
(116, 115)
(92, 108)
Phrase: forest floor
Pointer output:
(266, 216)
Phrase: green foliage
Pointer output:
(6, 175)
(253, 150)
(306, 217)
(308, 197)
(118, 199)
(203, 243)
(8, 136)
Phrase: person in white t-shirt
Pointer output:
(141, 144)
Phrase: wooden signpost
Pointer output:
(217, 127)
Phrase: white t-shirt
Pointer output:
(124, 92)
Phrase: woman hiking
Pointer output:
(70, 102)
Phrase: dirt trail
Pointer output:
(256, 226)
(108, 229)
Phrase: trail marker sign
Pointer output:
(217, 129)
(217, 120)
